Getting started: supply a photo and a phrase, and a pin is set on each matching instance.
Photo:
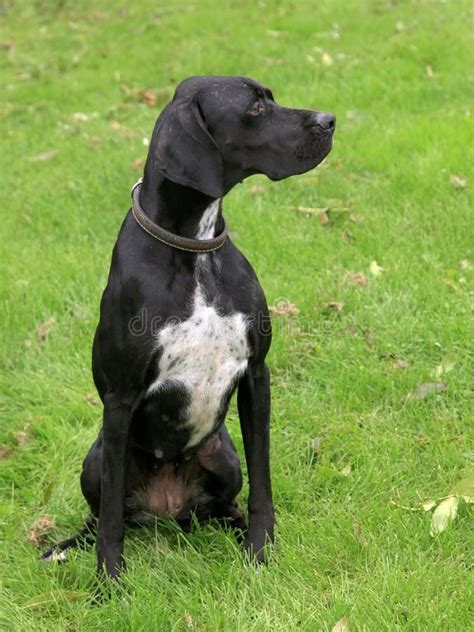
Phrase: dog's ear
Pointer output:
(183, 149)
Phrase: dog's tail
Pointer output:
(85, 537)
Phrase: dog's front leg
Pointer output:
(253, 402)
(111, 515)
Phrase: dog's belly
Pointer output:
(205, 354)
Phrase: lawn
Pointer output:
(375, 249)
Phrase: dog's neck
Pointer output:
(179, 209)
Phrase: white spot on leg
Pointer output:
(55, 556)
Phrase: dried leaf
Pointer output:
(124, 131)
(341, 626)
(148, 97)
(444, 513)
(336, 305)
(5, 451)
(357, 219)
(324, 219)
(272, 33)
(92, 399)
(425, 390)
(428, 505)
(309, 210)
(138, 164)
(357, 278)
(359, 535)
(452, 285)
(399, 363)
(44, 329)
(465, 265)
(326, 59)
(188, 620)
(457, 181)
(375, 269)
(21, 438)
(429, 72)
(39, 530)
(369, 337)
(82, 117)
(283, 308)
(347, 470)
(43, 157)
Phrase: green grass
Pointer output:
(399, 84)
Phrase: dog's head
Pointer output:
(219, 130)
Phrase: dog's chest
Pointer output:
(205, 354)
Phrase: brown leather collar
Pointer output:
(170, 239)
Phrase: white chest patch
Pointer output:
(205, 353)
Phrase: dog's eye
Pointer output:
(256, 108)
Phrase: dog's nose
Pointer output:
(325, 120)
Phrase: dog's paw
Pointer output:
(258, 549)
(54, 555)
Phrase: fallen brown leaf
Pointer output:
(44, 329)
(425, 390)
(92, 399)
(5, 451)
(352, 330)
(138, 164)
(457, 181)
(359, 535)
(310, 210)
(357, 219)
(341, 626)
(43, 157)
(369, 337)
(21, 437)
(283, 308)
(148, 97)
(323, 218)
(336, 305)
(357, 278)
(124, 131)
(399, 363)
(39, 530)
(452, 285)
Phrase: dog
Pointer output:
(184, 323)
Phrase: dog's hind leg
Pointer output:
(85, 537)
(219, 458)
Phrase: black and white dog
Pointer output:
(163, 448)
